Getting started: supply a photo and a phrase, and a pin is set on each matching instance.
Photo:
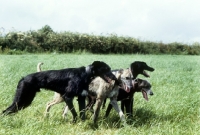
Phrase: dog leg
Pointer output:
(65, 111)
(113, 102)
(122, 105)
(69, 102)
(108, 110)
(81, 103)
(127, 104)
(97, 109)
(91, 102)
(131, 107)
(49, 105)
(57, 99)
(104, 103)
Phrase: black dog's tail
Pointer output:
(24, 95)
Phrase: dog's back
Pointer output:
(100, 87)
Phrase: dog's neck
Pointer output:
(131, 73)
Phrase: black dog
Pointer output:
(137, 67)
(68, 82)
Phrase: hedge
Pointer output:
(45, 40)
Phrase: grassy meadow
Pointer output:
(173, 109)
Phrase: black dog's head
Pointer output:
(137, 85)
(139, 67)
(101, 69)
(140, 85)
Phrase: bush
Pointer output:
(46, 40)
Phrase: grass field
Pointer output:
(174, 108)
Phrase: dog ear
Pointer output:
(121, 71)
(118, 76)
(137, 82)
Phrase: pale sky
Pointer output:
(153, 20)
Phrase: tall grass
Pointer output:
(174, 108)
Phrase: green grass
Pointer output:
(174, 108)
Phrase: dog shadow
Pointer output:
(140, 118)
(113, 121)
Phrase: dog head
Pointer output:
(143, 86)
(139, 67)
(120, 82)
(126, 85)
(101, 69)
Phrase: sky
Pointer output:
(148, 20)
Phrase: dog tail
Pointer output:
(39, 66)
(24, 96)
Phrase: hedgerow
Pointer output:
(45, 40)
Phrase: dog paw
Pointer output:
(74, 120)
